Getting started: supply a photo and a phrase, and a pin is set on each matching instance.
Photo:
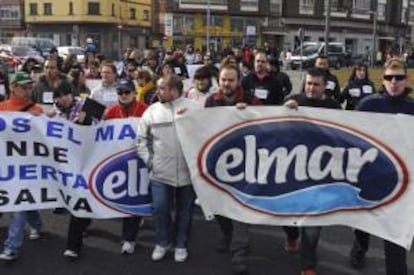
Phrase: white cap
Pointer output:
(89, 40)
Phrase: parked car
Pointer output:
(337, 55)
(17, 55)
(63, 51)
(41, 45)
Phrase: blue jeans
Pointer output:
(17, 225)
(310, 238)
(163, 196)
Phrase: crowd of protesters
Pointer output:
(149, 85)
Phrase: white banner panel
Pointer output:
(93, 171)
(272, 165)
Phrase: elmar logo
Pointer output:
(121, 183)
(270, 165)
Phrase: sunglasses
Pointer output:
(124, 92)
(397, 77)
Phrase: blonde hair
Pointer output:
(395, 64)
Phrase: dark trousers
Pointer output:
(130, 227)
(291, 232)
(237, 233)
(75, 233)
(395, 255)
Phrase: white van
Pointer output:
(42, 45)
(337, 55)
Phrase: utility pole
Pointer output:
(327, 24)
(374, 38)
(208, 19)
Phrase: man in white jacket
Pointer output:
(170, 180)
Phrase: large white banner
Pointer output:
(272, 165)
(93, 171)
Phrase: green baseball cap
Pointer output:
(21, 78)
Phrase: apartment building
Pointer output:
(221, 22)
(11, 19)
(113, 24)
(353, 22)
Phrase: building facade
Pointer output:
(222, 22)
(11, 19)
(356, 23)
(114, 25)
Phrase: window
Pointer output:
(249, 5)
(237, 24)
(335, 49)
(70, 8)
(362, 5)
(203, 2)
(215, 20)
(47, 9)
(93, 8)
(276, 7)
(33, 9)
(132, 14)
(113, 10)
(381, 11)
(145, 16)
(306, 7)
(183, 24)
(10, 12)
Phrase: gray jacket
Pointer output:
(158, 143)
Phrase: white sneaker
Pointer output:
(70, 254)
(128, 248)
(159, 252)
(34, 234)
(180, 255)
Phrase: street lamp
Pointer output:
(327, 23)
(208, 17)
(374, 35)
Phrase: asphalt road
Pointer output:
(101, 253)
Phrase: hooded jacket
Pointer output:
(158, 143)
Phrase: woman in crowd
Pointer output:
(78, 80)
(359, 86)
(146, 87)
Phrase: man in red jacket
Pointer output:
(127, 106)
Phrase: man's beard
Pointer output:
(228, 92)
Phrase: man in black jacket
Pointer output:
(332, 89)
(263, 85)
(314, 95)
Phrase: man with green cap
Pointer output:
(20, 100)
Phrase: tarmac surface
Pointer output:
(101, 253)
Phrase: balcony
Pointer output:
(203, 5)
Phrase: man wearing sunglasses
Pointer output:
(393, 99)
(127, 106)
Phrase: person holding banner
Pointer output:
(313, 96)
(68, 107)
(392, 99)
(235, 234)
(20, 100)
(128, 106)
(170, 181)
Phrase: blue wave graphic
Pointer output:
(314, 200)
(145, 209)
